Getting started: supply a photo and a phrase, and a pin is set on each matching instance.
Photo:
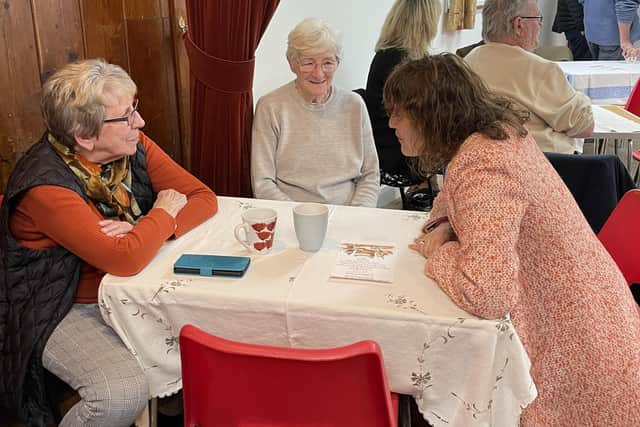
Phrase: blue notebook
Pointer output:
(212, 265)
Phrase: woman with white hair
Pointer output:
(311, 140)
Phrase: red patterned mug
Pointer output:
(259, 229)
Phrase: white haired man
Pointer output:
(507, 64)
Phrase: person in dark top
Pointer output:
(95, 195)
(570, 21)
(407, 32)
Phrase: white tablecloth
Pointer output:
(605, 82)
(463, 371)
(614, 122)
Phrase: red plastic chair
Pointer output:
(620, 235)
(227, 383)
(633, 106)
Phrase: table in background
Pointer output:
(605, 82)
(462, 370)
(614, 122)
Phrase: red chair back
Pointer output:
(633, 102)
(227, 383)
(620, 235)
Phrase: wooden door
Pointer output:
(39, 36)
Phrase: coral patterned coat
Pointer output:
(525, 248)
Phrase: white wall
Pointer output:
(360, 22)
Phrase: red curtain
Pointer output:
(221, 41)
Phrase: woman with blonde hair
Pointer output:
(408, 31)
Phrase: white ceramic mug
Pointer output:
(310, 221)
(259, 229)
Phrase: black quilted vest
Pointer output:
(38, 287)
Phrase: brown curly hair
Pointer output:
(447, 102)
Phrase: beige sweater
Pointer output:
(558, 111)
(314, 153)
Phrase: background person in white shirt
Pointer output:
(312, 141)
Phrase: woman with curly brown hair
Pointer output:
(507, 238)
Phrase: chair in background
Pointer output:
(620, 235)
(417, 200)
(633, 106)
(633, 102)
(227, 383)
(555, 53)
(597, 183)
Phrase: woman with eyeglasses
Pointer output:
(95, 195)
(312, 140)
(507, 238)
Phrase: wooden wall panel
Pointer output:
(105, 31)
(178, 10)
(39, 36)
(156, 90)
(141, 9)
(56, 25)
(20, 122)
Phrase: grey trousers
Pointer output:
(605, 53)
(88, 355)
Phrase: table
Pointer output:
(605, 82)
(461, 370)
(613, 121)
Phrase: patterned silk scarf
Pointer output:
(108, 185)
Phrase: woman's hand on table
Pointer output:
(115, 228)
(171, 201)
(427, 244)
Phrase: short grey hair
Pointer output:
(498, 16)
(74, 98)
(311, 37)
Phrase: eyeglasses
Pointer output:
(308, 65)
(129, 118)
(539, 18)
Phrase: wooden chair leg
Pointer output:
(149, 415)
(154, 412)
(143, 418)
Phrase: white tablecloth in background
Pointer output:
(463, 371)
(605, 82)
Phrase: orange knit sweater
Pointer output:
(49, 215)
